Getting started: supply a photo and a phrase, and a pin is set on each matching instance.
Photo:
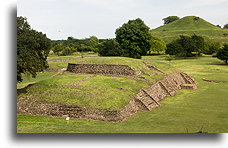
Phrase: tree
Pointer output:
(93, 43)
(110, 47)
(174, 48)
(67, 51)
(157, 45)
(32, 49)
(211, 47)
(222, 54)
(170, 19)
(186, 45)
(225, 26)
(134, 38)
(198, 43)
(58, 48)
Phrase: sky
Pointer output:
(59, 19)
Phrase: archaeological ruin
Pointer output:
(145, 100)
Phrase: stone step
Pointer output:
(188, 79)
(147, 100)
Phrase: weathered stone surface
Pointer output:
(145, 100)
(100, 69)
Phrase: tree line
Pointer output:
(133, 39)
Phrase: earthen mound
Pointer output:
(145, 100)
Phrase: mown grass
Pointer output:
(29, 80)
(98, 92)
(190, 111)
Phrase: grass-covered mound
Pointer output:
(97, 92)
(188, 26)
(86, 90)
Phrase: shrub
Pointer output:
(157, 46)
(174, 48)
(186, 45)
(223, 53)
(211, 47)
(170, 19)
(110, 47)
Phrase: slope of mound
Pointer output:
(188, 26)
(94, 90)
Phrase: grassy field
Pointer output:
(189, 26)
(204, 109)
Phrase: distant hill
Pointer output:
(190, 25)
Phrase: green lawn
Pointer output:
(188, 112)
(98, 92)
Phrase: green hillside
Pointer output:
(188, 26)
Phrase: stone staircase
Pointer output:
(151, 96)
(147, 100)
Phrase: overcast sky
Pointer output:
(60, 19)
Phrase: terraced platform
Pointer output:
(145, 100)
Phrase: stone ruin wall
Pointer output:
(145, 100)
(100, 69)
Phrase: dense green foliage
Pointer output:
(72, 45)
(32, 49)
(170, 19)
(174, 48)
(61, 50)
(190, 25)
(134, 38)
(110, 47)
(157, 46)
(223, 53)
(186, 45)
(211, 47)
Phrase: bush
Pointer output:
(174, 48)
(223, 53)
(67, 51)
(170, 19)
(211, 47)
(110, 47)
(186, 45)
(157, 46)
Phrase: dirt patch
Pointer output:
(53, 70)
(145, 100)
(213, 81)
(78, 83)
(152, 68)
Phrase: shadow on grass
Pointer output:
(218, 63)
(24, 90)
